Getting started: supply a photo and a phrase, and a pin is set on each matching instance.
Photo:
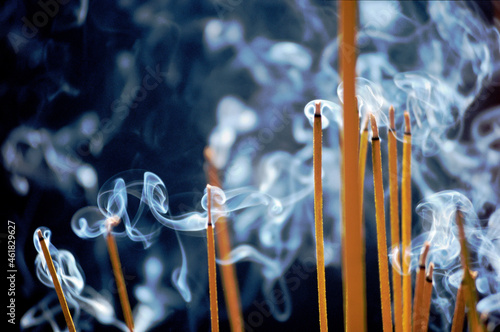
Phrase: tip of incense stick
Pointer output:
(392, 122)
(209, 218)
(317, 110)
(208, 154)
(423, 256)
(373, 123)
(40, 235)
(407, 122)
(111, 222)
(364, 126)
(428, 278)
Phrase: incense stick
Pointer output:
(426, 300)
(229, 278)
(459, 312)
(419, 289)
(212, 273)
(470, 290)
(383, 265)
(57, 284)
(117, 271)
(394, 210)
(363, 149)
(406, 212)
(318, 217)
(353, 258)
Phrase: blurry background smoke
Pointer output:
(89, 89)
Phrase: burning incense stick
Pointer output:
(459, 313)
(470, 290)
(57, 284)
(406, 224)
(212, 273)
(353, 258)
(229, 279)
(419, 289)
(383, 265)
(318, 217)
(117, 271)
(394, 209)
(426, 300)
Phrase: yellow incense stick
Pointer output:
(57, 284)
(470, 290)
(229, 278)
(212, 273)
(406, 212)
(419, 289)
(353, 258)
(318, 217)
(459, 313)
(394, 209)
(383, 264)
(426, 301)
(117, 271)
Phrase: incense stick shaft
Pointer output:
(120, 281)
(318, 221)
(353, 257)
(394, 210)
(228, 272)
(383, 265)
(470, 290)
(459, 313)
(426, 303)
(418, 300)
(406, 231)
(363, 149)
(57, 284)
(212, 273)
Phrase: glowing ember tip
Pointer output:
(407, 123)
(373, 123)
(392, 122)
(40, 235)
(317, 111)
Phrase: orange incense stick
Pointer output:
(394, 209)
(229, 279)
(383, 264)
(117, 271)
(353, 258)
(318, 217)
(212, 273)
(406, 212)
(470, 290)
(459, 313)
(426, 301)
(419, 289)
(57, 284)
(363, 148)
